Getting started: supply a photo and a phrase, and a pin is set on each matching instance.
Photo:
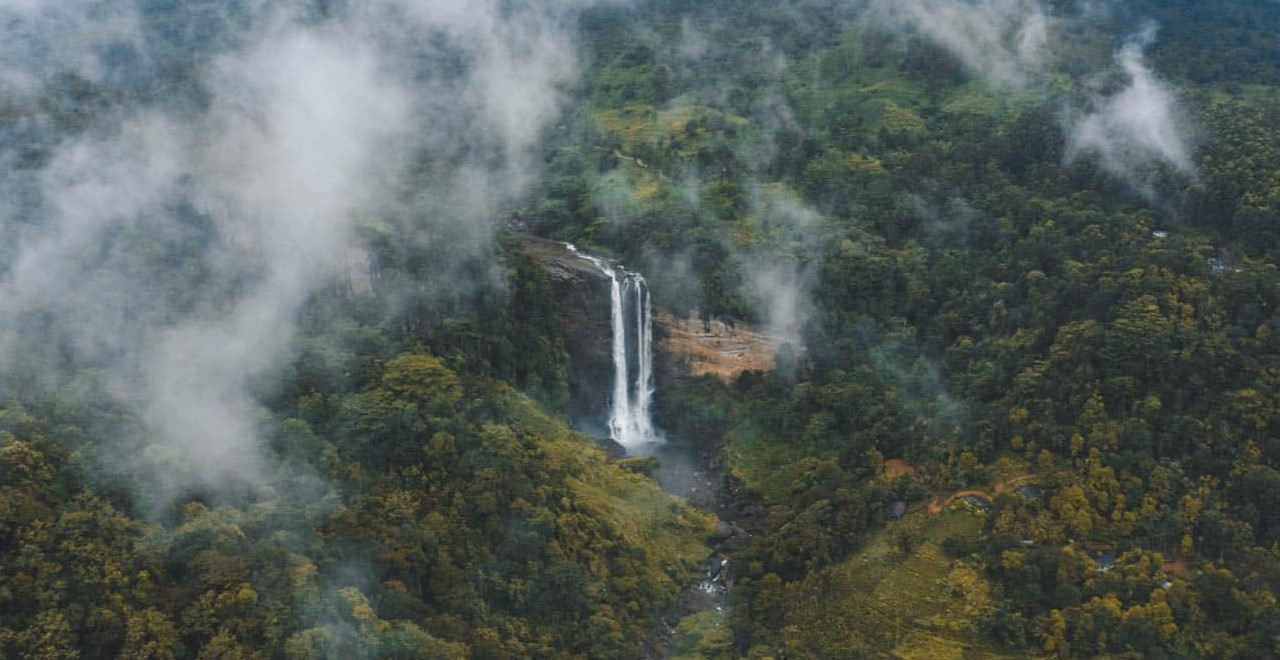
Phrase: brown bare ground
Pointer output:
(894, 466)
(1177, 566)
(723, 353)
(936, 506)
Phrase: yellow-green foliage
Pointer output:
(917, 604)
(482, 528)
(703, 636)
(636, 514)
(764, 470)
(632, 505)
(860, 163)
(637, 544)
(634, 124)
(899, 121)
(646, 186)
(981, 99)
(921, 646)
(1248, 94)
(642, 124)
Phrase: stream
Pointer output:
(689, 470)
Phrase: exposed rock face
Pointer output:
(583, 292)
(563, 266)
(716, 348)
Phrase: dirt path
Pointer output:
(894, 466)
(901, 466)
(937, 506)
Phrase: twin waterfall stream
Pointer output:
(630, 420)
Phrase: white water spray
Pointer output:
(630, 422)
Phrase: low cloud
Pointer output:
(778, 290)
(777, 274)
(42, 38)
(1006, 41)
(169, 244)
(1131, 127)
(1135, 128)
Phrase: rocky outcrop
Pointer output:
(715, 347)
(566, 268)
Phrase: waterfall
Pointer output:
(644, 348)
(620, 414)
(630, 421)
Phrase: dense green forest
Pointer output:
(1020, 258)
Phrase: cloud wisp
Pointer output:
(1006, 41)
(1012, 43)
(1139, 126)
(170, 243)
(777, 278)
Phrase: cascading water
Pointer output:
(620, 414)
(644, 348)
(630, 421)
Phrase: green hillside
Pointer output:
(277, 379)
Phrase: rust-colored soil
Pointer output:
(936, 506)
(724, 353)
(1177, 566)
(894, 466)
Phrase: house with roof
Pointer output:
(976, 503)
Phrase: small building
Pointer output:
(897, 510)
(1031, 492)
(977, 503)
(1105, 560)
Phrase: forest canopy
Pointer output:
(278, 380)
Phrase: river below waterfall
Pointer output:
(690, 470)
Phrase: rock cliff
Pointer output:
(582, 292)
(717, 348)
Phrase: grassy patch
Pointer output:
(643, 124)
(900, 598)
(979, 98)
(645, 186)
(635, 124)
(1250, 94)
